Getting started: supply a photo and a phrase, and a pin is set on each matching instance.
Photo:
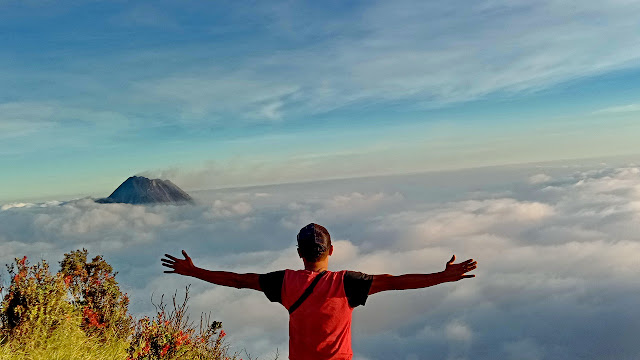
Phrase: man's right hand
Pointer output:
(455, 272)
(179, 266)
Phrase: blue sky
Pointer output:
(219, 94)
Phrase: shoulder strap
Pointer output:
(306, 293)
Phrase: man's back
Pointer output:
(320, 328)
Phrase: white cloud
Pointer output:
(224, 209)
(539, 179)
(342, 206)
(15, 205)
(503, 216)
(552, 264)
(458, 331)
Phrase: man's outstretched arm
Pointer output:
(452, 272)
(185, 267)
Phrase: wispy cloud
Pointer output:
(218, 92)
(423, 53)
(630, 108)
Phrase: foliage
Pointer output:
(80, 313)
(36, 303)
(170, 335)
(93, 288)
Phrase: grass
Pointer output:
(65, 343)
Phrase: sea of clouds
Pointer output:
(558, 251)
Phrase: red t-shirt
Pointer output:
(320, 328)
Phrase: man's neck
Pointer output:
(317, 266)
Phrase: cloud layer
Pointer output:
(557, 252)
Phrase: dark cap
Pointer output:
(314, 234)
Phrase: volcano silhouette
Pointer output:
(140, 190)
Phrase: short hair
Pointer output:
(314, 242)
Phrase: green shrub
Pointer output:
(170, 335)
(36, 302)
(93, 289)
(80, 313)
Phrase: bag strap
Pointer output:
(306, 293)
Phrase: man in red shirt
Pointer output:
(320, 302)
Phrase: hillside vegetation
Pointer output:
(79, 312)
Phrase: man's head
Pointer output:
(314, 243)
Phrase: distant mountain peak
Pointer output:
(141, 190)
